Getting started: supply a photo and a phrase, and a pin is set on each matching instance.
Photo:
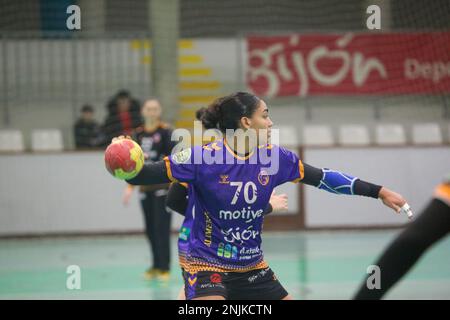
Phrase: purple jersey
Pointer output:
(224, 218)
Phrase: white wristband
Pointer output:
(407, 209)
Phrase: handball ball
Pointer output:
(124, 159)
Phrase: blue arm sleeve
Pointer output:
(337, 182)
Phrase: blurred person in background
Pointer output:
(123, 116)
(135, 106)
(154, 137)
(86, 129)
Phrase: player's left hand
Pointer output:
(394, 200)
(278, 202)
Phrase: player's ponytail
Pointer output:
(226, 112)
(208, 117)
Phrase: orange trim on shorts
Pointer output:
(169, 170)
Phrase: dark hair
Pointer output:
(226, 112)
(123, 93)
(87, 108)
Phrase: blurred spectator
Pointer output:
(123, 94)
(123, 115)
(86, 129)
(154, 137)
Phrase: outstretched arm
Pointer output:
(152, 173)
(340, 183)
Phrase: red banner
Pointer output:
(349, 64)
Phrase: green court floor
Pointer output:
(311, 265)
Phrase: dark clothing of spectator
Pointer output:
(87, 134)
(123, 123)
(111, 106)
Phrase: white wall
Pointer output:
(69, 192)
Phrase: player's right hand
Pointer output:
(392, 199)
(120, 138)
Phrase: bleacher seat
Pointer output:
(353, 135)
(46, 140)
(448, 133)
(317, 135)
(11, 141)
(426, 133)
(390, 134)
(288, 135)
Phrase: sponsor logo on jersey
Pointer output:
(208, 230)
(211, 285)
(227, 251)
(260, 274)
(224, 179)
(249, 251)
(215, 278)
(233, 235)
(184, 233)
(246, 214)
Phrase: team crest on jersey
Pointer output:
(224, 179)
(263, 177)
(182, 156)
